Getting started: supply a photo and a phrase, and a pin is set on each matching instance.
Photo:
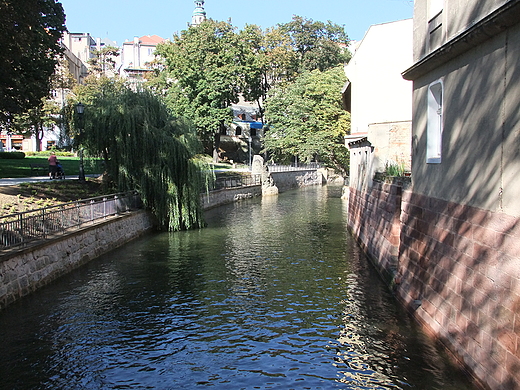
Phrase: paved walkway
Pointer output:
(12, 182)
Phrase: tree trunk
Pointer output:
(216, 142)
(38, 135)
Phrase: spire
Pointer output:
(199, 15)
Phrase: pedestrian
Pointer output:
(53, 165)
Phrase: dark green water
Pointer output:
(273, 294)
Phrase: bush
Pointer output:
(12, 155)
(47, 153)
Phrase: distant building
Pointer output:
(242, 138)
(199, 14)
(380, 102)
(137, 56)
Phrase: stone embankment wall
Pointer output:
(295, 179)
(225, 196)
(281, 181)
(462, 265)
(29, 269)
(458, 271)
(374, 221)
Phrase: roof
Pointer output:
(147, 40)
(355, 139)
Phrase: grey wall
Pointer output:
(480, 142)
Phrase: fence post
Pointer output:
(44, 229)
(116, 202)
(22, 230)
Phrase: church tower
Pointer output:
(199, 15)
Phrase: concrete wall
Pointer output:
(225, 196)
(480, 154)
(456, 17)
(378, 92)
(295, 179)
(25, 271)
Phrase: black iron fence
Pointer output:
(21, 228)
(293, 167)
(248, 179)
(235, 181)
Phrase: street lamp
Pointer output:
(80, 110)
(250, 139)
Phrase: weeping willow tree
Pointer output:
(145, 148)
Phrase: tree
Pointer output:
(269, 59)
(203, 77)
(306, 119)
(144, 148)
(35, 120)
(318, 45)
(30, 32)
(103, 62)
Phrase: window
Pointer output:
(238, 130)
(435, 30)
(435, 123)
(253, 132)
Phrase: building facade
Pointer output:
(137, 57)
(380, 102)
(459, 257)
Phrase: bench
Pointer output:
(39, 168)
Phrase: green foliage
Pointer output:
(30, 32)
(202, 76)
(145, 149)
(47, 153)
(12, 155)
(209, 66)
(394, 169)
(103, 61)
(306, 119)
(35, 119)
(318, 45)
(269, 60)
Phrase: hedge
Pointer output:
(12, 155)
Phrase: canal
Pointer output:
(274, 293)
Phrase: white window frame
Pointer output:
(435, 123)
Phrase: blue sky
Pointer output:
(121, 20)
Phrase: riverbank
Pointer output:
(45, 193)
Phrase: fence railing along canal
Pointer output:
(249, 179)
(22, 228)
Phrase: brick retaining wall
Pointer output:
(374, 221)
(458, 271)
(463, 265)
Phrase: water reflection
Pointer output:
(273, 294)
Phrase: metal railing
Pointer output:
(293, 167)
(236, 181)
(21, 228)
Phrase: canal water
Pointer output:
(274, 293)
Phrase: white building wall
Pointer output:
(379, 93)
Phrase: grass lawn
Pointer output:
(13, 168)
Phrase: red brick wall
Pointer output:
(463, 265)
(374, 220)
